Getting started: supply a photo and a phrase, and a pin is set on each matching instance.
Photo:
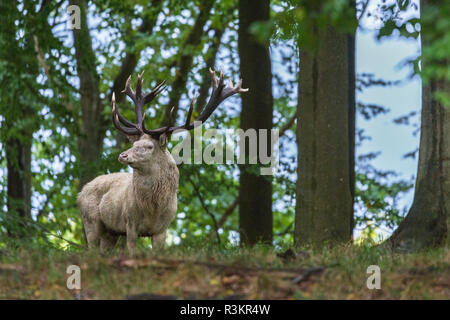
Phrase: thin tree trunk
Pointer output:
(185, 63)
(131, 59)
(255, 191)
(209, 63)
(325, 138)
(20, 120)
(93, 124)
(18, 159)
(352, 122)
(427, 221)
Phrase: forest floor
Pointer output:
(226, 273)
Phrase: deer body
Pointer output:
(142, 203)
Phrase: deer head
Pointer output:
(151, 144)
(145, 154)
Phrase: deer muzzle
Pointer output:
(123, 158)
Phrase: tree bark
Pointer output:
(20, 119)
(426, 223)
(255, 191)
(131, 58)
(185, 63)
(18, 159)
(130, 61)
(325, 138)
(352, 122)
(93, 124)
(90, 139)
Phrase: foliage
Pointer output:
(52, 87)
(40, 77)
(434, 23)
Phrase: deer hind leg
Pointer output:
(107, 241)
(92, 229)
(91, 223)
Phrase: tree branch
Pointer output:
(363, 10)
(235, 203)
(225, 216)
(131, 58)
(205, 207)
(210, 63)
(47, 71)
(185, 62)
(130, 61)
(287, 125)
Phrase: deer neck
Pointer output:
(152, 189)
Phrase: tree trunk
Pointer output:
(18, 159)
(20, 120)
(255, 191)
(352, 122)
(325, 138)
(427, 221)
(131, 59)
(90, 139)
(185, 63)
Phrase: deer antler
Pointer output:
(139, 100)
(220, 92)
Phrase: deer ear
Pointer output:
(163, 140)
(133, 138)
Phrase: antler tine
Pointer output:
(139, 86)
(239, 87)
(213, 78)
(146, 98)
(128, 91)
(219, 93)
(139, 100)
(126, 130)
(189, 114)
(230, 90)
(216, 84)
(155, 91)
(143, 122)
(168, 128)
(221, 76)
(171, 113)
(216, 96)
(117, 118)
(115, 110)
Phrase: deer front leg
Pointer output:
(131, 237)
(158, 240)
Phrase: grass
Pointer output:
(211, 272)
